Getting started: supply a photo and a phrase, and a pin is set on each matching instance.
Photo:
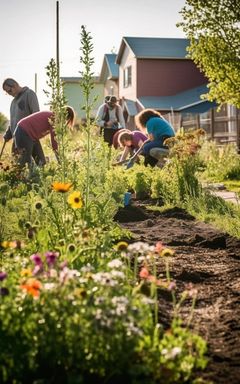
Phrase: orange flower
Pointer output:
(61, 187)
(32, 287)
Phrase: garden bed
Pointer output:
(207, 258)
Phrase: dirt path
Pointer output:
(210, 260)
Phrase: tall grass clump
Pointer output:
(220, 163)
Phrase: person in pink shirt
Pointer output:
(31, 129)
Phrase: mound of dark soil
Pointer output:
(129, 214)
(210, 260)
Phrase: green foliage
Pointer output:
(59, 123)
(219, 163)
(87, 85)
(213, 209)
(185, 162)
(213, 30)
(3, 122)
(90, 323)
(82, 308)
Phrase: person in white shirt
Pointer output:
(110, 118)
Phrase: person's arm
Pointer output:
(151, 136)
(99, 117)
(125, 154)
(33, 103)
(140, 143)
(120, 117)
(8, 134)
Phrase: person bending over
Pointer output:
(131, 141)
(31, 129)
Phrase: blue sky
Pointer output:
(28, 34)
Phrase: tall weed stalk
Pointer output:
(57, 105)
(87, 85)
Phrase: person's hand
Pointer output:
(109, 123)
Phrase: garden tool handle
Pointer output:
(4, 144)
(138, 151)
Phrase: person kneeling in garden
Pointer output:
(158, 130)
(131, 141)
(31, 129)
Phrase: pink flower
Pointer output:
(51, 257)
(3, 276)
(159, 247)
(36, 258)
(144, 274)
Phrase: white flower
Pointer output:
(118, 274)
(171, 354)
(104, 278)
(115, 263)
(49, 286)
(87, 268)
(140, 247)
(120, 300)
(67, 274)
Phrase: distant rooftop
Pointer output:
(154, 47)
(187, 101)
(110, 69)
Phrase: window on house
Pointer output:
(127, 77)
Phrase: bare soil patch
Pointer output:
(210, 260)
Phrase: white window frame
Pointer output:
(127, 77)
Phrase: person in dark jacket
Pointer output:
(24, 103)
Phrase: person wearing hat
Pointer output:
(110, 118)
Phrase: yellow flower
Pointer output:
(75, 200)
(121, 246)
(61, 187)
(8, 244)
(26, 272)
(166, 252)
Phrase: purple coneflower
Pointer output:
(51, 257)
(36, 258)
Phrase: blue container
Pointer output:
(127, 198)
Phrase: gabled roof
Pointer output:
(131, 107)
(110, 69)
(188, 101)
(154, 48)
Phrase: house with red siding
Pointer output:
(156, 73)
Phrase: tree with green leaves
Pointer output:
(3, 122)
(213, 28)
